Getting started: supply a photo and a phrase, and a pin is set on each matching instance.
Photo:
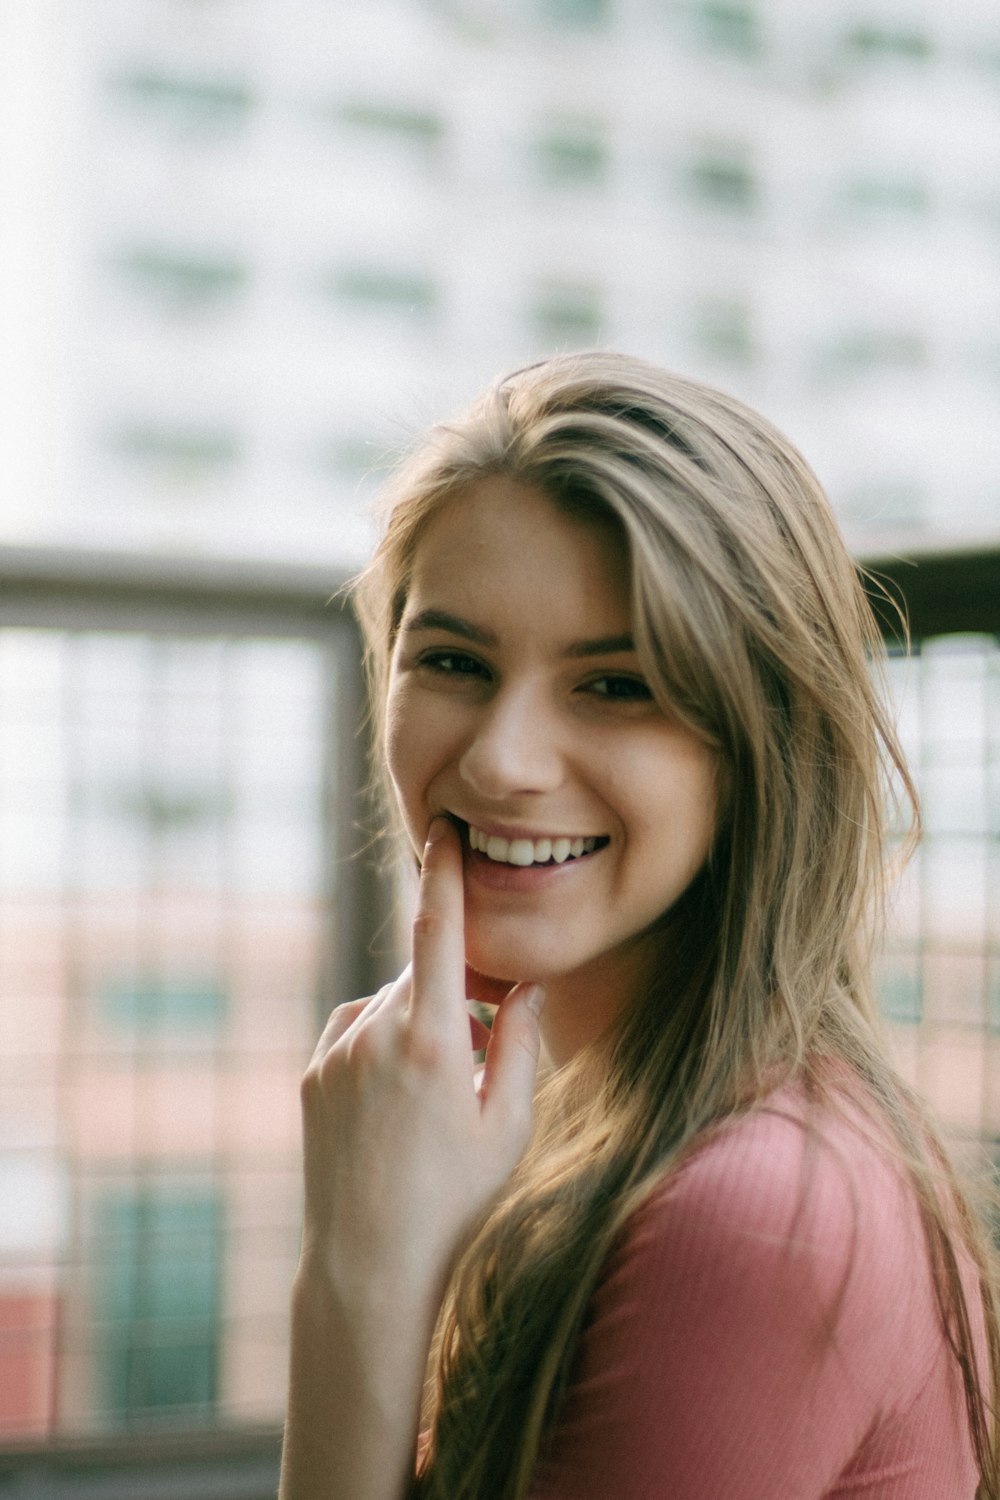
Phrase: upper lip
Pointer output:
(510, 832)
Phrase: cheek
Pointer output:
(700, 802)
(676, 822)
(399, 747)
(416, 749)
(394, 738)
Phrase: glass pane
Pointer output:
(166, 858)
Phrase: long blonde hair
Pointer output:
(752, 626)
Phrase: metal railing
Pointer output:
(187, 886)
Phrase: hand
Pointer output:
(402, 1154)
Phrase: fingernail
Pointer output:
(436, 831)
(535, 999)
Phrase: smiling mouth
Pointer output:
(524, 853)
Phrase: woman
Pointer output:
(621, 662)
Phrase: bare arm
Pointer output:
(401, 1156)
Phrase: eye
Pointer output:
(620, 687)
(453, 664)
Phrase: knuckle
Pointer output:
(510, 1023)
(363, 1047)
(428, 922)
(423, 1049)
(311, 1085)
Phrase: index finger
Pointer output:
(437, 992)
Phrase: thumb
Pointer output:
(512, 1059)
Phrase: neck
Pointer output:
(580, 1006)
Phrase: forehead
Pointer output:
(500, 535)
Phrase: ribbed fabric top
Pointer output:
(768, 1330)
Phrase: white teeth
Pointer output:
(526, 852)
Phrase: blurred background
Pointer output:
(247, 250)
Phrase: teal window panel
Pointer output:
(378, 290)
(183, 281)
(181, 1006)
(900, 988)
(354, 457)
(162, 809)
(876, 349)
(723, 329)
(732, 28)
(569, 155)
(204, 102)
(575, 12)
(723, 181)
(567, 315)
(869, 41)
(159, 1300)
(184, 454)
(423, 129)
(887, 197)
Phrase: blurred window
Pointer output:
(723, 329)
(158, 1302)
(733, 28)
(940, 972)
(572, 153)
(353, 456)
(147, 1003)
(865, 351)
(183, 282)
(192, 104)
(407, 294)
(886, 197)
(901, 988)
(566, 314)
(723, 178)
(868, 41)
(416, 129)
(176, 456)
(575, 12)
(175, 918)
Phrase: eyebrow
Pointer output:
(440, 619)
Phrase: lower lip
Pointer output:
(502, 877)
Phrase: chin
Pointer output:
(496, 962)
(496, 973)
(499, 965)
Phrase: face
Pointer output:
(517, 706)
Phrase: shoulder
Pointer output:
(810, 1171)
(789, 1217)
(764, 1310)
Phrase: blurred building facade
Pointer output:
(250, 249)
(181, 800)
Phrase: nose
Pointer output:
(513, 747)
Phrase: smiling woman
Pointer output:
(518, 708)
(626, 683)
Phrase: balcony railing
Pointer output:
(188, 884)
